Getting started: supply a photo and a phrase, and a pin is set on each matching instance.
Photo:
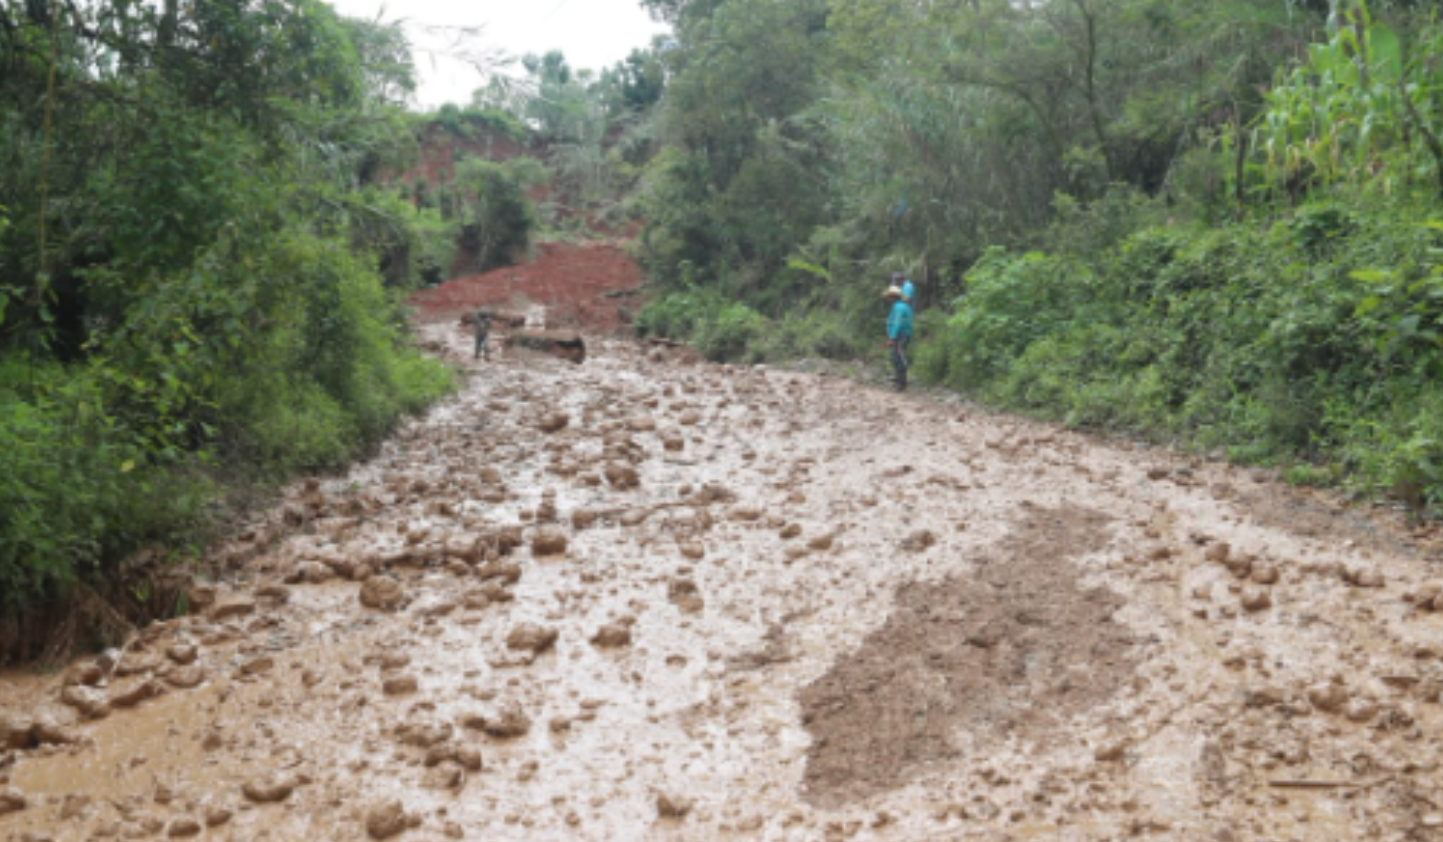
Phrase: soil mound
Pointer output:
(1013, 649)
(589, 287)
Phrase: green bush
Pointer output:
(495, 213)
(1313, 337)
(76, 488)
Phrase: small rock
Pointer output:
(12, 800)
(182, 828)
(382, 593)
(508, 723)
(1329, 697)
(269, 789)
(469, 757)
(445, 775)
(183, 653)
(184, 678)
(1110, 752)
(48, 731)
(553, 422)
(548, 540)
(234, 607)
(424, 734)
(1218, 552)
(313, 573)
(1363, 576)
(216, 815)
(200, 597)
(821, 543)
(919, 541)
(621, 476)
(685, 595)
(134, 694)
(508, 572)
(386, 819)
(88, 673)
(1361, 710)
(90, 702)
(1256, 598)
(612, 635)
(16, 732)
(532, 638)
(256, 666)
(399, 685)
(1265, 574)
(673, 806)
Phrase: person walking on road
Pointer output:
(899, 335)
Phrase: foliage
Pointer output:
(1237, 337)
(191, 258)
(495, 214)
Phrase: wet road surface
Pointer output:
(646, 598)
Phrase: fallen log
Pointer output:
(563, 344)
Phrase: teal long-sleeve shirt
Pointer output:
(899, 321)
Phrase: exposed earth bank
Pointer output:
(648, 598)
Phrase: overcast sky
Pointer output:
(592, 33)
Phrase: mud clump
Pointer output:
(382, 594)
(12, 800)
(235, 607)
(685, 595)
(508, 723)
(919, 541)
(622, 477)
(387, 819)
(532, 638)
(399, 685)
(612, 636)
(269, 789)
(672, 806)
(1014, 649)
(183, 828)
(548, 541)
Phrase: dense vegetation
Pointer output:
(192, 246)
(1217, 223)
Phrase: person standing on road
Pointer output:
(904, 283)
(481, 323)
(899, 335)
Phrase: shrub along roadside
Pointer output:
(1313, 339)
(132, 447)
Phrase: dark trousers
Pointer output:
(900, 362)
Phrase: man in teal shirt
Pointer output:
(899, 335)
(904, 283)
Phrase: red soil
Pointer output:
(571, 281)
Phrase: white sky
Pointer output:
(592, 33)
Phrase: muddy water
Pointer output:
(739, 569)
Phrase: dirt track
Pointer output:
(644, 598)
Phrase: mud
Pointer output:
(1012, 650)
(644, 598)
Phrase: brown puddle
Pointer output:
(643, 599)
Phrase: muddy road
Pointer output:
(644, 598)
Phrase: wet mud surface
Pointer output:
(643, 598)
(1010, 650)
